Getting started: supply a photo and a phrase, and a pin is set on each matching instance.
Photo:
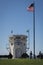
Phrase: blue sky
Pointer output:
(14, 16)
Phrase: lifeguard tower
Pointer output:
(17, 45)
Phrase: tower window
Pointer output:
(11, 43)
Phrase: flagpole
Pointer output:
(34, 31)
(31, 8)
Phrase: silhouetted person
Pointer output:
(30, 54)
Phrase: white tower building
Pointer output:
(17, 44)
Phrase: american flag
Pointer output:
(31, 7)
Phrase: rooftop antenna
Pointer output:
(11, 31)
